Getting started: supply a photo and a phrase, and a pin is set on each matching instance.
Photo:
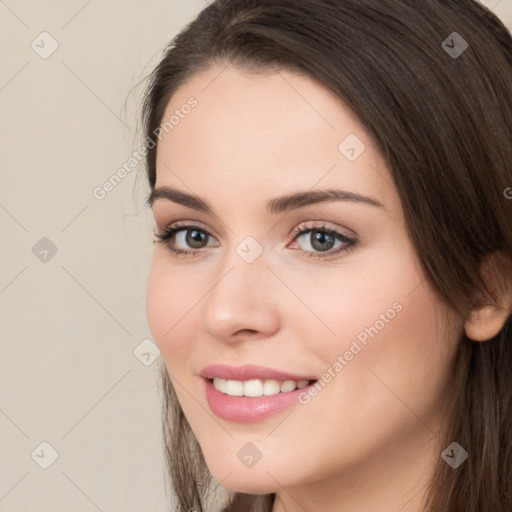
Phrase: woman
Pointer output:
(331, 290)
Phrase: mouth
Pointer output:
(251, 393)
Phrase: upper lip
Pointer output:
(249, 372)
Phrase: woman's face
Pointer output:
(346, 305)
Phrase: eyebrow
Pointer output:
(275, 206)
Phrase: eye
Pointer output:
(194, 238)
(322, 241)
(319, 241)
(186, 235)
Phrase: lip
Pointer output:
(248, 372)
(244, 409)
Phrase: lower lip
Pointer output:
(246, 409)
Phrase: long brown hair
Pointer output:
(441, 114)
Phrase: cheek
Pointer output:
(385, 318)
(338, 305)
(402, 358)
(170, 302)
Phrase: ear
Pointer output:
(485, 323)
(488, 317)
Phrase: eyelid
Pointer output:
(183, 223)
(297, 230)
(187, 224)
(323, 226)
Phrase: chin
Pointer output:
(246, 480)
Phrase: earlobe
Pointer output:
(486, 322)
(487, 319)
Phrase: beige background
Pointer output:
(70, 321)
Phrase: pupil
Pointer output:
(319, 240)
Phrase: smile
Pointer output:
(251, 393)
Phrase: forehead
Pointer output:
(259, 133)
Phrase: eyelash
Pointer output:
(170, 231)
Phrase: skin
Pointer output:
(368, 439)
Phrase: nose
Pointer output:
(243, 302)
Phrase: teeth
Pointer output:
(257, 387)
(220, 384)
(288, 385)
(253, 387)
(271, 387)
(234, 387)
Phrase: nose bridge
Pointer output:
(242, 296)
